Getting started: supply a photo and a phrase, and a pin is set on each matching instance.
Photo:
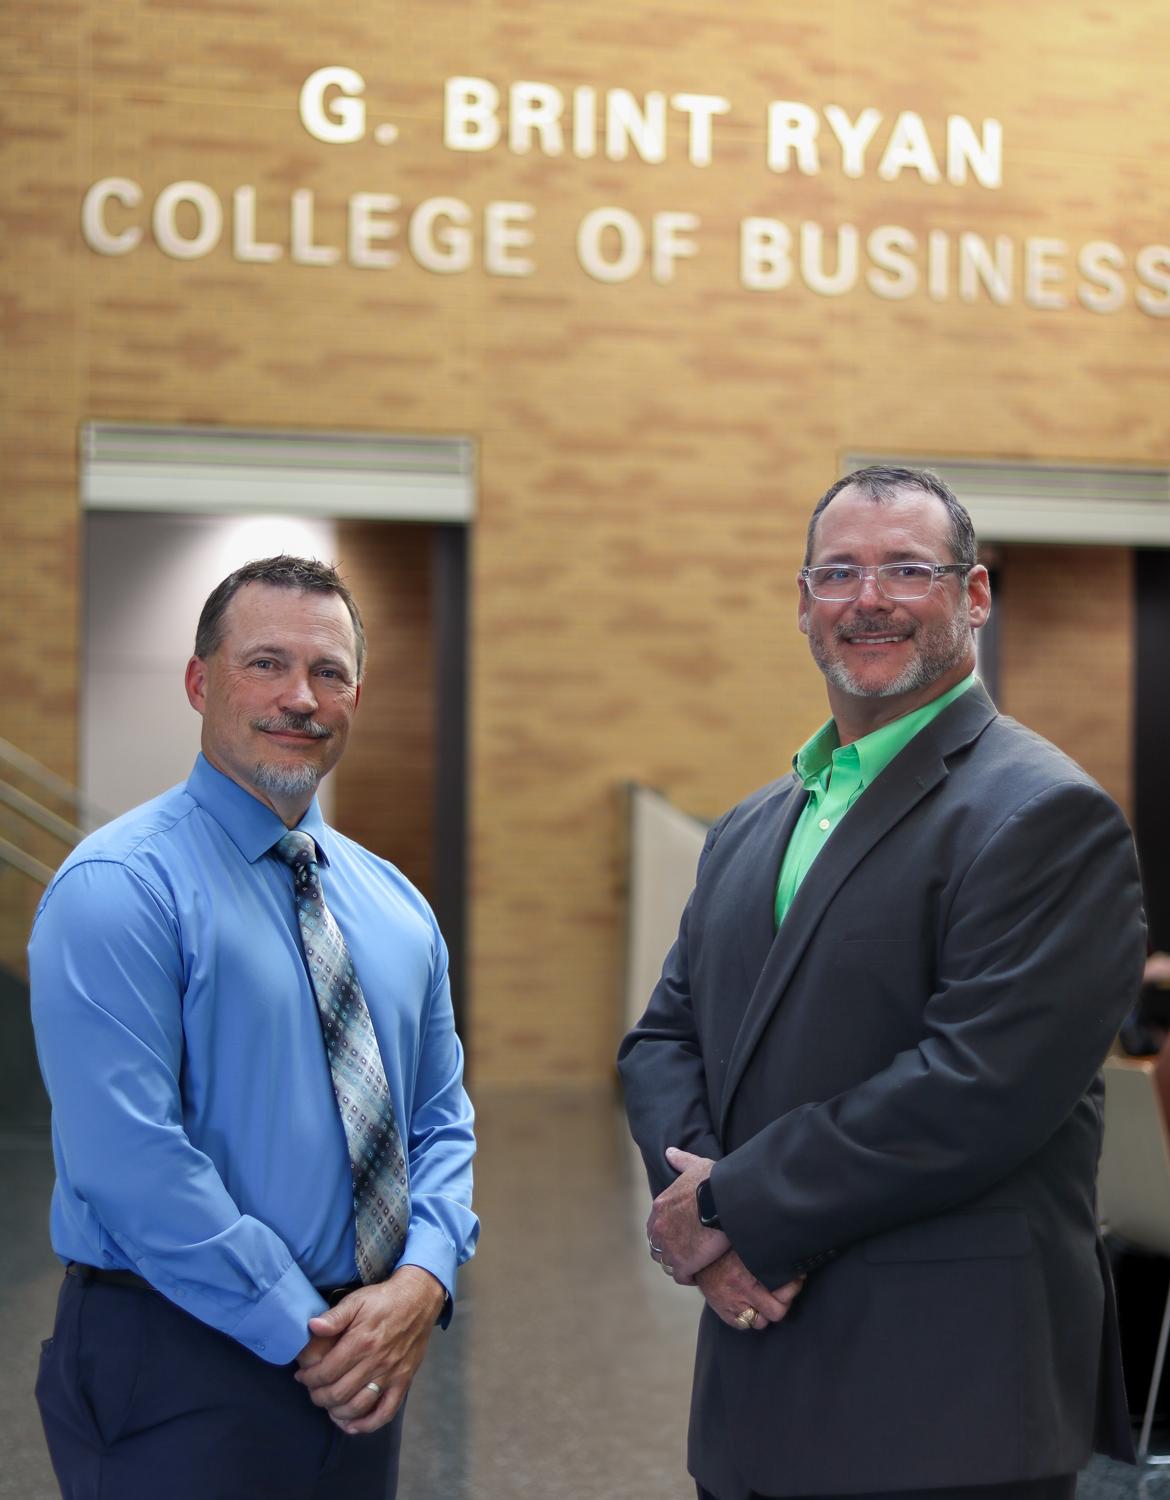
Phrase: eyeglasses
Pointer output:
(841, 583)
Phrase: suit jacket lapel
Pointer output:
(751, 878)
(899, 788)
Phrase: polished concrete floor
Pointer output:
(564, 1375)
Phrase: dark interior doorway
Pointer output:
(1152, 735)
(402, 788)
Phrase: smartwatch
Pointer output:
(705, 1198)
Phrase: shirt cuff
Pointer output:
(430, 1249)
(277, 1326)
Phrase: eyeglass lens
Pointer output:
(896, 581)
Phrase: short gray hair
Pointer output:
(283, 572)
(881, 482)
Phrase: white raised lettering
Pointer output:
(345, 117)
(584, 122)
(1040, 273)
(908, 147)
(765, 254)
(470, 114)
(97, 234)
(792, 127)
(628, 123)
(667, 244)
(893, 274)
(502, 234)
(1103, 290)
(631, 244)
(1153, 269)
(444, 249)
(938, 265)
(982, 154)
(208, 214)
(812, 260)
(303, 251)
(854, 136)
(978, 265)
(535, 109)
(245, 245)
(701, 108)
(365, 228)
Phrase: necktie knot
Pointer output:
(296, 848)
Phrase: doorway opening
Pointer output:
(168, 513)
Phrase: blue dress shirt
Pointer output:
(195, 1132)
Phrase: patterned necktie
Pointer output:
(381, 1197)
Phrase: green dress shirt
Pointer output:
(835, 775)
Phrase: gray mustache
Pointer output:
(293, 724)
(878, 627)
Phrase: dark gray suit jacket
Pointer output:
(901, 1087)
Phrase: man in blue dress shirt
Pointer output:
(213, 1338)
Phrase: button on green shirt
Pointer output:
(835, 775)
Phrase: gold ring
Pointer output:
(372, 1385)
(746, 1318)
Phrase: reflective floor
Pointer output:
(565, 1373)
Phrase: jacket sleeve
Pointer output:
(1040, 959)
(661, 1064)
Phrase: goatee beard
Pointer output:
(285, 781)
(939, 648)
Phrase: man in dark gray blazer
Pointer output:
(866, 1086)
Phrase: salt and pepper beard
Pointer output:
(288, 780)
(285, 781)
(940, 647)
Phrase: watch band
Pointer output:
(705, 1198)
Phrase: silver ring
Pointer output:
(668, 1269)
(655, 1249)
(372, 1385)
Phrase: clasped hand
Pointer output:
(375, 1336)
(677, 1239)
(698, 1256)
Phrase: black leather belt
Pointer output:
(331, 1294)
(111, 1278)
(334, 1294)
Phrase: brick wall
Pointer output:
(648, 452)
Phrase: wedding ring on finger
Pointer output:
(655, 1250)
(668, 1269)
(746, 1318)
(372, 1385)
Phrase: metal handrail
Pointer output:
(34, 812)
(51, 782)
(28, 807)
(13, 855)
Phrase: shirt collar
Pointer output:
(813, 759)
(873, 752)
(249, 823)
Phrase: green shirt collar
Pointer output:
(815, 759)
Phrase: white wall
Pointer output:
(146, 577)
(664, 848)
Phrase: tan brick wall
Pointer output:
(648, 452)
(1066, 665)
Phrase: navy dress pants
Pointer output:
(139, 1399)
